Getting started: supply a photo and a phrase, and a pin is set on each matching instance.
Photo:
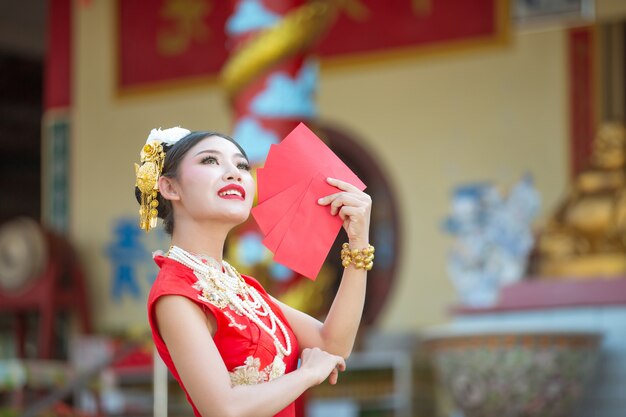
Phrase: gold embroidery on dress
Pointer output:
(276, 368)
(221, 285)
(250, 372)
(210, 293)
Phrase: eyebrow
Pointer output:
(213, 151)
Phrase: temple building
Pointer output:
(490, 135)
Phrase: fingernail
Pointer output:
(321, 200)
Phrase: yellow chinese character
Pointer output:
(422, 7)
(189, 25)
(355, 9)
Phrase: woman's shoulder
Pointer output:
(173, 278)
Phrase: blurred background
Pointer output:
(490, 134)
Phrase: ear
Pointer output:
(168, 188)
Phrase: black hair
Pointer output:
(174, 154)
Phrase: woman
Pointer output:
(233, 348)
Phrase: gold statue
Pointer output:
(586, 237)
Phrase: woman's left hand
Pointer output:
(354, 207)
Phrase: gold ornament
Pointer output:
(359, 258)
(147, 180)
(292, 35)
(585, 237)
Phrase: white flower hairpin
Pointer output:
(167, 136)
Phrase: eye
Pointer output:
(209, 160)
(244, 165)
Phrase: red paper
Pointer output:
(309, 153)
(307, 256)
(268, 213)
(300, 154)
(276, 235)
(297, 229)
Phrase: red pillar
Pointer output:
(58, 65)
(582, 95)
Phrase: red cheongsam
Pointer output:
(246, 349)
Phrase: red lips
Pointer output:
(237, 192)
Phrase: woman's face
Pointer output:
(214, 182)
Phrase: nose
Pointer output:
(232, 173)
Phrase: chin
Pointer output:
(236, 217)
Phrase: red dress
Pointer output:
(246, 349)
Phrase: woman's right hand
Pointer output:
(321, 365)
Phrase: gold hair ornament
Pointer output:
(148, 173)
(152, 156)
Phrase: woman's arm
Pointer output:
(336, 335)
(188, 335)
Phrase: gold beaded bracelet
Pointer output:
(360, 258)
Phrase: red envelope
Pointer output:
(310, 153)
(273, 205)
(297, 229)
(273, 240)
(300, 154)
(314, 220)
(268, 213)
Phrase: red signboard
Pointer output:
(166, 41)
(384, 25)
